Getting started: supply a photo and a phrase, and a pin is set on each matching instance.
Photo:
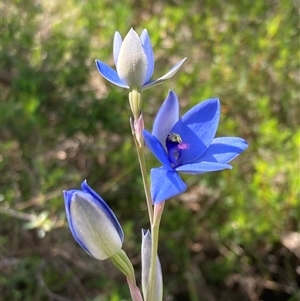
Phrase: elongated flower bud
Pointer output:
(146, 261)
(92, 223)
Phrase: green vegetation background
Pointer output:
(234, 235)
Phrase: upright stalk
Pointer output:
(135, 99)
(137, 126)
(140, 152)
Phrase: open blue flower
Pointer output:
(92, 223)
(134, 62)
(187, 145)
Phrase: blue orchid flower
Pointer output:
(134, 62)
(92, 223)
(187, 145)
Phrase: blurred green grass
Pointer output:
(62, 123)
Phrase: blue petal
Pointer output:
(203, 119)
(165, 184)
(157, 149)
(102, 204)
(197, 129)
(224, 149)
(202, 167)
(110, 74)
(117, 46)
(149, 53)
(166, 117)
(168, 75)
(68, 198)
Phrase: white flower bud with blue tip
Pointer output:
(131, 60)
(92, 223)
(134, 61)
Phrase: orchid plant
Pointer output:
(184, 144)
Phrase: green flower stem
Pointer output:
(135, 100)
(123, 264)
(135, 103)
(158, 210)
(140, 152)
